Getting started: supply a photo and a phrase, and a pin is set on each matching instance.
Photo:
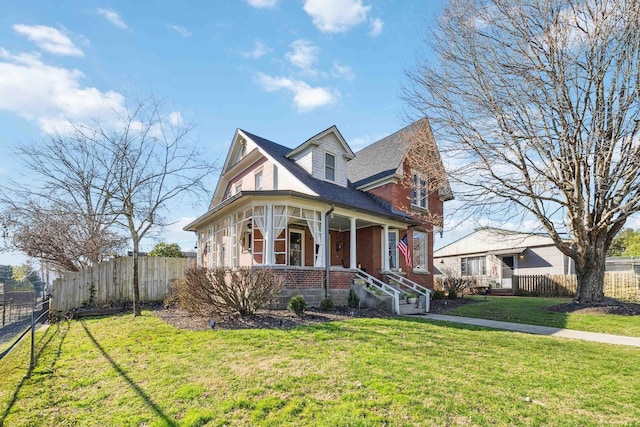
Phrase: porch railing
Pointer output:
(382, 287)
(415, 287)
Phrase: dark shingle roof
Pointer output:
(380, 159)
(332, 193)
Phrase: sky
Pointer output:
(281, 69)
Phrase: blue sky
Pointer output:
(282, 69)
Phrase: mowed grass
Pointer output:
(532, 310)
(362, 372)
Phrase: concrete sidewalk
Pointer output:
(538, 330)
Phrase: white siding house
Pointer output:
(494, 256)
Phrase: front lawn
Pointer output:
(532, 310)
(363, 372)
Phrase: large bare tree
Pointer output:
(538, 104)
(57, 210)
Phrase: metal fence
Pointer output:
(12, 334)
(111, 282)
(624, 286)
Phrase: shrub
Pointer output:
(326, 304)
(353, 300)
(438, 294)
(298, 305)
(222, 291)
(452, 294)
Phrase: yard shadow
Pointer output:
(139, 391)
(42, 343)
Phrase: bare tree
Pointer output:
(58, 210)
(539, 104)
(153, 162)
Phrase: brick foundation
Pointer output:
(309, 282)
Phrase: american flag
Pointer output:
(403, 245)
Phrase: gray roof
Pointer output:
(332, 193)
(380, 159)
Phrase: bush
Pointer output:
(452, 294)
(298, 305)
(222, 291)
(438, 294)
(326, 304)
(353, 300)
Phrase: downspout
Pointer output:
(327, 251)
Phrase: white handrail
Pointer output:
(383, 287)
(426, 292)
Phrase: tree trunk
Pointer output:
(136, 286)
(590, 273)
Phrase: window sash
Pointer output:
(329, 167)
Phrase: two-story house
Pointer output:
(319, 214)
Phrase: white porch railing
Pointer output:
(419, 289)
(382, 287)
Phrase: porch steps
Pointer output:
(501, 292)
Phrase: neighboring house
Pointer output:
(493, 256)
(273, 205)
(623, 265)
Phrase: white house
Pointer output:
(493, 256)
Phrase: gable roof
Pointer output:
(494, 241)
(330, 192)
(379, 160)
(313, 140)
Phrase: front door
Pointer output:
(296, 247)
(507, 271)
(393, 250)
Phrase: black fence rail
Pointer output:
(13, 333)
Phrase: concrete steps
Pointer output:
(407, 309)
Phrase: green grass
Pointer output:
(127, 371)
(531, 310)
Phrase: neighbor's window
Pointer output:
(259, 181)
(420, 252)
(419, 191)
(473, 266)
(329, 167)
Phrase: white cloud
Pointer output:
(180, 30)
(113, 17)
(303, 55)
(259, 50)
(336, 16)
(49, 39)
(376, 27)
(305, 97)
(175, 118)
(342, 71)
(51, 96)
(262, 4)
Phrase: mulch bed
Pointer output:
(608, 306)
(264, 319)
(443, 306)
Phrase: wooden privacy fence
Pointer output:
(625, 286)
(112, 282)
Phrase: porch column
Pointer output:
(353, 263)
(385, 248)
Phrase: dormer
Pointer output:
(324, 156)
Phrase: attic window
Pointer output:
(243, 148)
(419, 191)
(329, 167)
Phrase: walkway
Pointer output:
(538, 330)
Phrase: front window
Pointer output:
(420, 251)
(393, 250)
(329, 167)
(473, 266)
(419, 191)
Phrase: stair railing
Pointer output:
(415, 287)
(382, 287)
